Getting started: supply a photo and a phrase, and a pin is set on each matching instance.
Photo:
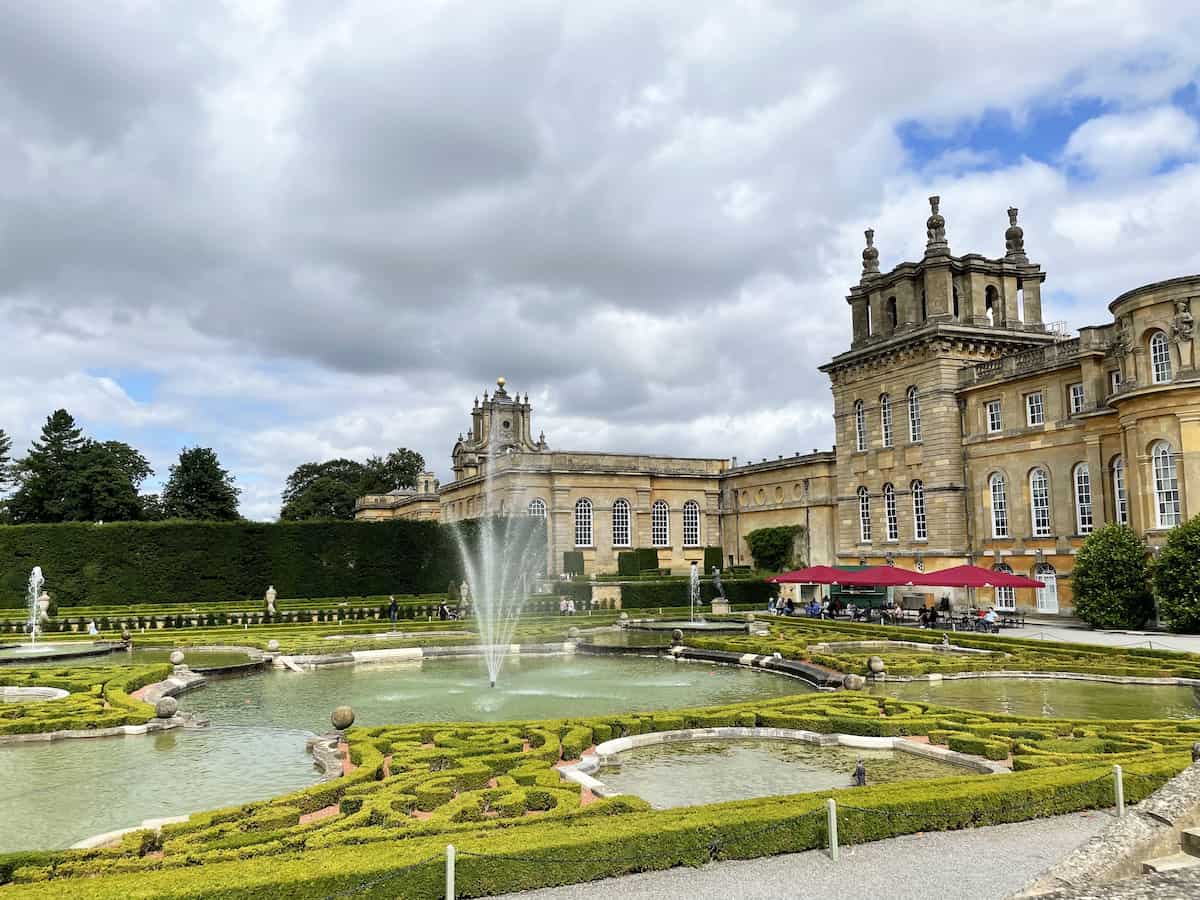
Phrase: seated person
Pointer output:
(789, 608)
(923, 618)
(992, 619)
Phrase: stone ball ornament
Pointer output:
(876, 665)
(272, 646)
(177, 657)
(572, 632)
(677, 636)
(166, 707)
(624, 617)
(126, 635)
(342, 718)
(854, 682)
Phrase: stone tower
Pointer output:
(499, 425)
(900, 464)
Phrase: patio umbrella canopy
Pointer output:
(811, 575)
(881, 576)
(975, 577)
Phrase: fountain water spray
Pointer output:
(35, 612)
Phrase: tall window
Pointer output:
(583, 522)
(864, 516)
(1006, 597)
(885, 419)
(860, 426)
(1160, 358)
(620, 522)
(1039, 503)
(999, 492)
(889, 310)
(660, 524)
(1083, 500)
(1035, 411)
(914, 416)
(1114, 381)
(1076, 393)
(889, 511)
(1166, 485)
(995, 423)
(1120, 498)
(920, 523)
(691, 524)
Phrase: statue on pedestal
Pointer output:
(269, 598)
(1183, 328)
(718, 588)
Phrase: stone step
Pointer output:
(1170, 863)
(1190, 840)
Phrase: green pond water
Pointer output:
(1051, 698)
(694, 773)
(52, 655)
(58, 793)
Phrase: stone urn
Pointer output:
(342, 718)
(272, 646)
(126, 635)
(876, 665)
(854, 682)
(166, 707)
(677, 637)
(44, 607)
(624, 617)
(573, 633)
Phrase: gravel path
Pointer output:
(977, 864)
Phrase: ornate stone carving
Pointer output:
(1122, 337)
(1182, 326)
(1014, 238)
(935, 230)
(870, 256)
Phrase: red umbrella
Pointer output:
(881, 576)
(811, 575)
(975, 577)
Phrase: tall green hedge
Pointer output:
(776, 549)
(713, 558)
(196, 562)
(627, 563)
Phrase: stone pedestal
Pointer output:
(720, 607)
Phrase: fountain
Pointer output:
(35, 610)
(694, 591)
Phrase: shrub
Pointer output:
(1177, 578)
(627, 563)
(647, 559)
(573, 562)
(774, 549)
(1111, 581)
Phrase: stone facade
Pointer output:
(967, 431)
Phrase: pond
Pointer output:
(695, 772)
(58, 793)
(68, 654)
(1051, 697)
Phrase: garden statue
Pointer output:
(269, 597)
(718, 589)
(44, 607)
(464, 592)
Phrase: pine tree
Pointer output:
(44, 476)
(198, 488)
(5, 459)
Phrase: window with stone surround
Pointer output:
(998, 490)
(1114, 381)
(889, 511)
(995, 424)
(620, 522)
(1084, 521)
(914, 416)
(1120, 497)
(583, 522)
(1076, 395)
(920, 522)
(691, 524)
(860, 426)
(1039, 503)
(1160, 358)
(1035, 410)
(864, 516)
(537, 508)
(1006, 597)
(1166, 485)
(660, 524)
(885, 419)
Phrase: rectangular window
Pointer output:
(999, 507)
(1006, 599)
(1114, 381)
(889, 508)
(1076, 391)
(1035, 412)
(994, 423)
(1083, 500)
(1039, 492)
(885, 420)
(920, 522)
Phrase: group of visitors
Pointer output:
(566, 606)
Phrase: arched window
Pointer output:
(998, 489)
(864, 516)
(1120, 498)
(924, 307)
(537, 508)
(885, 419)
(1083, 500)
(1006, 597)
(954, 296)
(914, 416)
(691, 524)
(1166, 485)
(860, 426)
(991, 304)
(920, 523)
(583, 522)
(889, 308)
(620, 522)
(1039, 503)
(889, 512)
(660, 524)
(1160, 358)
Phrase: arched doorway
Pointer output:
(1047, 596)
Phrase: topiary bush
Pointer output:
(774, 549)
(627, 563)
(1111, 579)
(573, 562)
(1177, 578)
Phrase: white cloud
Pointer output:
(1133, 143)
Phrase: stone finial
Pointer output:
(870, 256)
(501, 382)
(1014, 238)
(935, 230)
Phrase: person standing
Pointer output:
(393, 610)
(860, 774)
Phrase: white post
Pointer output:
(449, 872)
(831, 809)
(1120, 786)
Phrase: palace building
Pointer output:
(967, 431)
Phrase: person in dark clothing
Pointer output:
(393, 610)
(860, 774)
(443, 612)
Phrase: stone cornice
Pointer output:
(934, 337)
(971, 262)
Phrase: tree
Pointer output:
(323, 490)
(198, 488)
(1111, 579)
(778, 548)
(1177, 578)
(44, 476)
(5, 459)
(102, 483)
(152, 508)
(398, 470)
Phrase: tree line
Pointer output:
(69, 477)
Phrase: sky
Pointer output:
(292, 231)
